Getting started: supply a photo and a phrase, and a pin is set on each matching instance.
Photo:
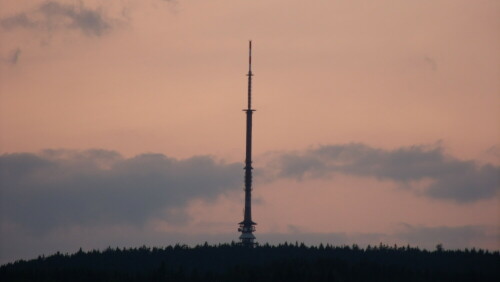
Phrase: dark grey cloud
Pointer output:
(58, 188)
(18, 21)
(62, 188)
(450, 178)
(52, 15)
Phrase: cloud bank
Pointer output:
(62, 188)
(57, 188)
(448, 178)
(51, 15)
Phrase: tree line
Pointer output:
(283, 262)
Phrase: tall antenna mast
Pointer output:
(247, 226)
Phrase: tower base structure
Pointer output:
(247, 238)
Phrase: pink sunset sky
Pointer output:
(121, 122)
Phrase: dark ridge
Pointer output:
(285, 262)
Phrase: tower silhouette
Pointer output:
(247, 226)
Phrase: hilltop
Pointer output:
(285, 262)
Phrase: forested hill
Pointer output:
(285, 262)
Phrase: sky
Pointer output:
(121, 123)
